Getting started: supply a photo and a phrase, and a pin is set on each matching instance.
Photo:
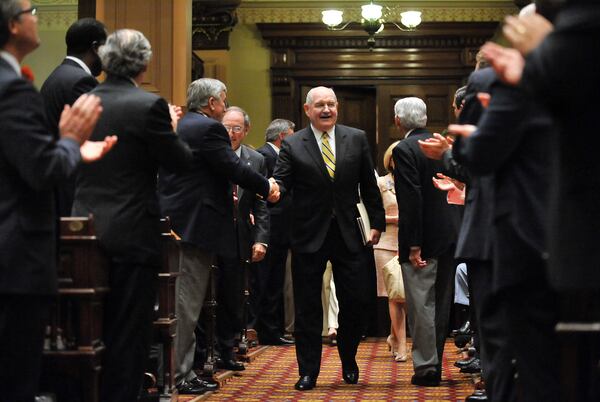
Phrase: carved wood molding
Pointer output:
(57, 15)
(212, 21)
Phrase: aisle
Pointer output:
(272, 376)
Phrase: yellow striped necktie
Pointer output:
(328, 156)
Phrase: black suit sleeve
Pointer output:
(172, 153)
(408, 192)
(83, 86)
(26, 143)
(216, 150)
(261, 213)
(369, 191)
(283, 172)
(498, 132)
(454, 169)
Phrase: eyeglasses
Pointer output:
(31, 10)
(235, 129)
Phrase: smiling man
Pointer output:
(325, 164)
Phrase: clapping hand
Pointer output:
(273, 191)
(508, 63)
(78, 121)
(434, 147)
(176, 112)
(464, 130)
(92, 151)
(526, 32)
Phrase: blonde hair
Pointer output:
(387, 157)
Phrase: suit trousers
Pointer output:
(429, 295)
(495, 352)
(270, 315)
(22, 322)
(191, 288)
(350, 272)
(230, 303)
(128, 318)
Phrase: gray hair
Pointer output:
(309, 95)
(412, 113)
(126, 53)
(201, 90)
(242, 111)
(8, 10)
(277, 127)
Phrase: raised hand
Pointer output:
(508, 63)
(434, 147)
(78, 121)
(176, 112)
(526, 32)
(92, 151)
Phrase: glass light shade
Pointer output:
(410, 19)
(332, 17)
(371, 12)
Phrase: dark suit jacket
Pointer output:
(570, 89)
(316, 197)
(63, 86)
(425, 217)
(475, 237)
(120, 189)
(248, 204)
(31, 163)
(281, 211)
(514, 142)
(200, 200)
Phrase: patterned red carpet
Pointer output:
(272, 375)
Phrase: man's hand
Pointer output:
(508, 63)
(415, 258)
(526, 32)
(258, 252)
(484, 98)
(464, 130)
(78, 121)
(92, 151)
(434, 147)
(273, 191)
(176, 112)
(375, 235)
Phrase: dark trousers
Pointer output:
(128, 317)
(350, 272)
(495, 352)
(230, 303)
(444, 295)
(22, 322)
(272, 276)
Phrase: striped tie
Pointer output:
(328, 157)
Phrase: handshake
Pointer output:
(273, 191)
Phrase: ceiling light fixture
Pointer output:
(373, 20)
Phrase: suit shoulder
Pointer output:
(349, 130)
(253, 153)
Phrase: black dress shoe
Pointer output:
(429, 379)
(281, 341)
(187, 388)
(350, 377)
(305, 383)
(472, 368)
(230, 364)
(478, 395)
(209, 385)
(463, 363)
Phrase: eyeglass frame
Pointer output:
(32, 10)
(235, 129)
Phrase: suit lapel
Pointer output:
(246, 161)
(341, 144)
(310, 143)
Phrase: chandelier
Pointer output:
(373, 20)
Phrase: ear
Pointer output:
(13, 27)
(397, 120)
(306, 107)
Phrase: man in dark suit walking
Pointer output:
(271, 276)
(427, 234)
(120, 191)
(72, 78)
(32, 162)
(325, 164)
(200, 205)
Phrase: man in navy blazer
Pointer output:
(200, 205)
(325, 164)
(32, 162)
(271, 277)
(72, 78)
